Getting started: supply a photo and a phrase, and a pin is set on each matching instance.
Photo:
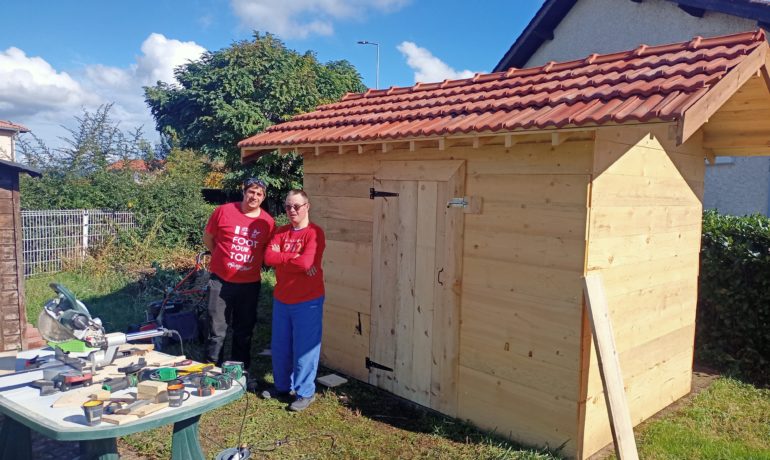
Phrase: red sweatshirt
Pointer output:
(293, 285)
(239, 243)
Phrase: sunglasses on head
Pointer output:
(295, 207)
(254, 181)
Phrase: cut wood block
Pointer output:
(152, 390)
(119, 419)
(157, 359)
(77, 396)
(149, 409)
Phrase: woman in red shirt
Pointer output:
(296, 251)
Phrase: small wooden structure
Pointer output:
(463, 292)
(12, 308)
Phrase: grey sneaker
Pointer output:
(301, 403)
(273, 393)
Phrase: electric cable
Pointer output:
(181, 345)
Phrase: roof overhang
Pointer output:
(34, 172)
(735, 113)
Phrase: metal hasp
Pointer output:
(457, 203)
(376, 193)
(371, 364)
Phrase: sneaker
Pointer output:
(301, 403)
(273, 393)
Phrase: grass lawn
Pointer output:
(730, 420)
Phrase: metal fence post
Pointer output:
(84, 247)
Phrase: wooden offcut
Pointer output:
(609, 367)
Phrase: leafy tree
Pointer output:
(167, 200)
(238, 91)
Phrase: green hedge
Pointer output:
(733, 324)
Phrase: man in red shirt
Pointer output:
(237, 235)
(296, 251)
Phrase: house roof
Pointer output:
(8, 126)
(34, 172)
(548, 17)
(137, 165)
(647, 84)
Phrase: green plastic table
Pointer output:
(26, 410)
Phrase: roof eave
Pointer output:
(701, 110)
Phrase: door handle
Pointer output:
(438, 278)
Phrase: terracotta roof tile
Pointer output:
(8, 126)
(648, 83)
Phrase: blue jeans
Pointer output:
(296, 345)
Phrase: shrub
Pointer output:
(734, 301)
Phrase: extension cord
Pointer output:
(234, 453)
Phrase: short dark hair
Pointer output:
(299, 192)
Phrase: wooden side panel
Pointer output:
(345, 343)
(339, 193)
(644, 234)
(12, 312)
(532, 416)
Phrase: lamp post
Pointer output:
(377, 75)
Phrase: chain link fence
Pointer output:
(52, 236)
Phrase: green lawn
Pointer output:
(730, 420)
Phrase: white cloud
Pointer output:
(427, 67)
(38, 96)
(29, 85)
(303, 18)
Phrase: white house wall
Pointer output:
(606, 26)
(6, 146)
(731, 185)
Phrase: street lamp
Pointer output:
(377, 75)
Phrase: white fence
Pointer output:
(52, 236)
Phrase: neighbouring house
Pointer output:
(461, 217)
(572, 29)
(8, 133)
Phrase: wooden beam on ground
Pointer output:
(609, 368)
(706, 106)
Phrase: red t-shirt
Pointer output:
(293, 284)
(239, 243)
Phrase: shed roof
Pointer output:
(18, 167)
(8, 126)
(647, 84)
(552, 12)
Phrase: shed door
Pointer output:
(416, 267)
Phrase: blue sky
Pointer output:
(58, 57)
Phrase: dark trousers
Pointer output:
(234, 305)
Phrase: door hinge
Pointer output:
(371, 364)
(376, 193)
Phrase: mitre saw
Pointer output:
(65, 318)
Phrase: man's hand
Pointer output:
(312, 271)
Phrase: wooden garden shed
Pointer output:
(463, 292)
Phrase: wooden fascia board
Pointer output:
(765, 70)
(699, 113)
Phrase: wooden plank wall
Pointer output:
(12, 315)
(644, 237)
(521, 293)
